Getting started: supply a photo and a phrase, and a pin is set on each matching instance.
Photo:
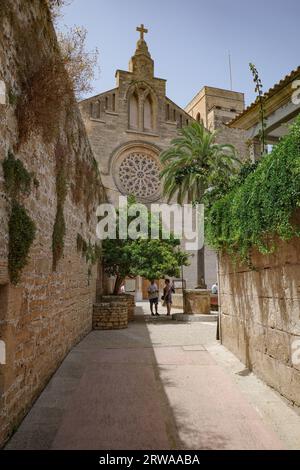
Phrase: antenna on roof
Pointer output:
(230, 69)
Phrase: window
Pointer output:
(98, 109)
(106, 102)
(180, 120)
(148, 113)
(113, 102)
(167, 112)
(174, 115)
(133, 111)
(95, 108)
(198, 117)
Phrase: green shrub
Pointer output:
(17, 181)
(58, 236)
(21, 235)
(59, 228)
(254, 212)
(17, 178)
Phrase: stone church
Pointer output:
(128, 127)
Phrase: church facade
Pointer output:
(128, 127)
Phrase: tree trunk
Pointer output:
(201, 267)
(118, 284)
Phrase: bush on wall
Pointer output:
(21, 235)
(21, 228)
(253, 213)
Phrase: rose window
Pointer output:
(139, 175)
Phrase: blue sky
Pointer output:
(189, 40)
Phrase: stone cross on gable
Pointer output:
(142, 30)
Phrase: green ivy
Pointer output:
(17, 178)
(59, 228)
(81, 244)
(12, 98)
(21, 235)
(17, 181)
(59, 231)
(91, 252)
(262, 205)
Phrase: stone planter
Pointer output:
(177, 300)
(110, 316)
(197, 301)
(129, 299)
(126, 299)
(214, 302)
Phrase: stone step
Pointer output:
(212, 317)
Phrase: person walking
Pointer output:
(153, 297)
(214, 288)
(167, 297)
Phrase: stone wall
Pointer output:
(260, 315)
(49, 310)
(235, 137)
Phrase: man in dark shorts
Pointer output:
(153, 297)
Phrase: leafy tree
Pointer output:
(154, 259)
(55, 7)
(146, 257)
(80, 64)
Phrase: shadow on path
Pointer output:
(152, 386)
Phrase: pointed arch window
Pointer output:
(148, 113)
(134, 111)
(98, 109)
(168, 112)
(180, 121)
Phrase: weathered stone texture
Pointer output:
(110, 316)
(260, 315)
(47, 312)
(197, 301)
(126, 299)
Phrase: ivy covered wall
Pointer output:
(49, 190)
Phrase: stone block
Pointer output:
(197, 301)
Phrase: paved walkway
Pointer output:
(157, 385)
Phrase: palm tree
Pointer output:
(194, 164)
